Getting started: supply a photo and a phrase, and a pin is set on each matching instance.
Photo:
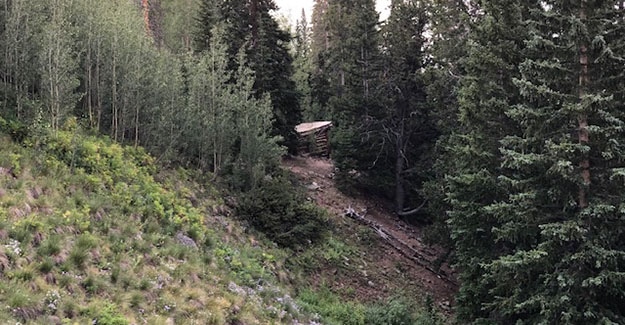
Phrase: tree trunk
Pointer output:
(88, 85)
(98, 90)
(114, 101)
(253, 22)
(400, 192)
(136, 126)
(146, 16)
(582, 119)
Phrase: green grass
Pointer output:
(333, 309)
(96, 222)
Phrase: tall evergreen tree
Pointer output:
(319, 32)
(320, 91)
(450, 23)
(563, 218)
(495, 49)
(346, 78)
(302, 65)
(402, 131)
(536, 204)
(272, 63)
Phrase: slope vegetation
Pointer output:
(92, 231)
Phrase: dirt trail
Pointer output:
(406, 244)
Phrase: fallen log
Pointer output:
(398, 244)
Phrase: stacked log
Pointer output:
(314, 138)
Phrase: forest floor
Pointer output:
(409, 267)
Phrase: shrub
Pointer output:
(281, 212)
(50, 246)
(396, 311)
(17, 130)
(401, 311)
(105, 313)
(331, 307)
(78, 256)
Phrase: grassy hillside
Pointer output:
(91, 230)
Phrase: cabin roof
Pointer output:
(311, 127)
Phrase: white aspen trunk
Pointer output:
(114, 119)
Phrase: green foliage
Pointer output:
(14, 128)
(98, 223)
(520, 206)
(256, 33)
(331, 307)
(334, 310)
(302, 67)
(177, 27)
(396, 311)
(106, 313)
(58, 64)
(19, 299)
(50, 246)
(20, 35)
(102, 166)
(248, 267)
(348, 64)
(282, 213)
(371, 80)
(336, 251)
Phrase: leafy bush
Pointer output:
(106, 313)
(17, 130)
(396, 311)
(400, 310)
(331, 307)
(279, 210)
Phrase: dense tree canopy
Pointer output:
(503, 119)
(250, 26)
(533, 213)
(101, 62)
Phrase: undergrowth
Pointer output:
(280, 210)
(394, 311)
(92, 231)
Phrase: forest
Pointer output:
(497, 125)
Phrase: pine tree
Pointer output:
(562, 220)
(472, 186)
(302, 66)
(536, 212)
(450, 23)
(319, 31)
(320, 91)
(402, 131)
(345, 79)
(272, 63)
